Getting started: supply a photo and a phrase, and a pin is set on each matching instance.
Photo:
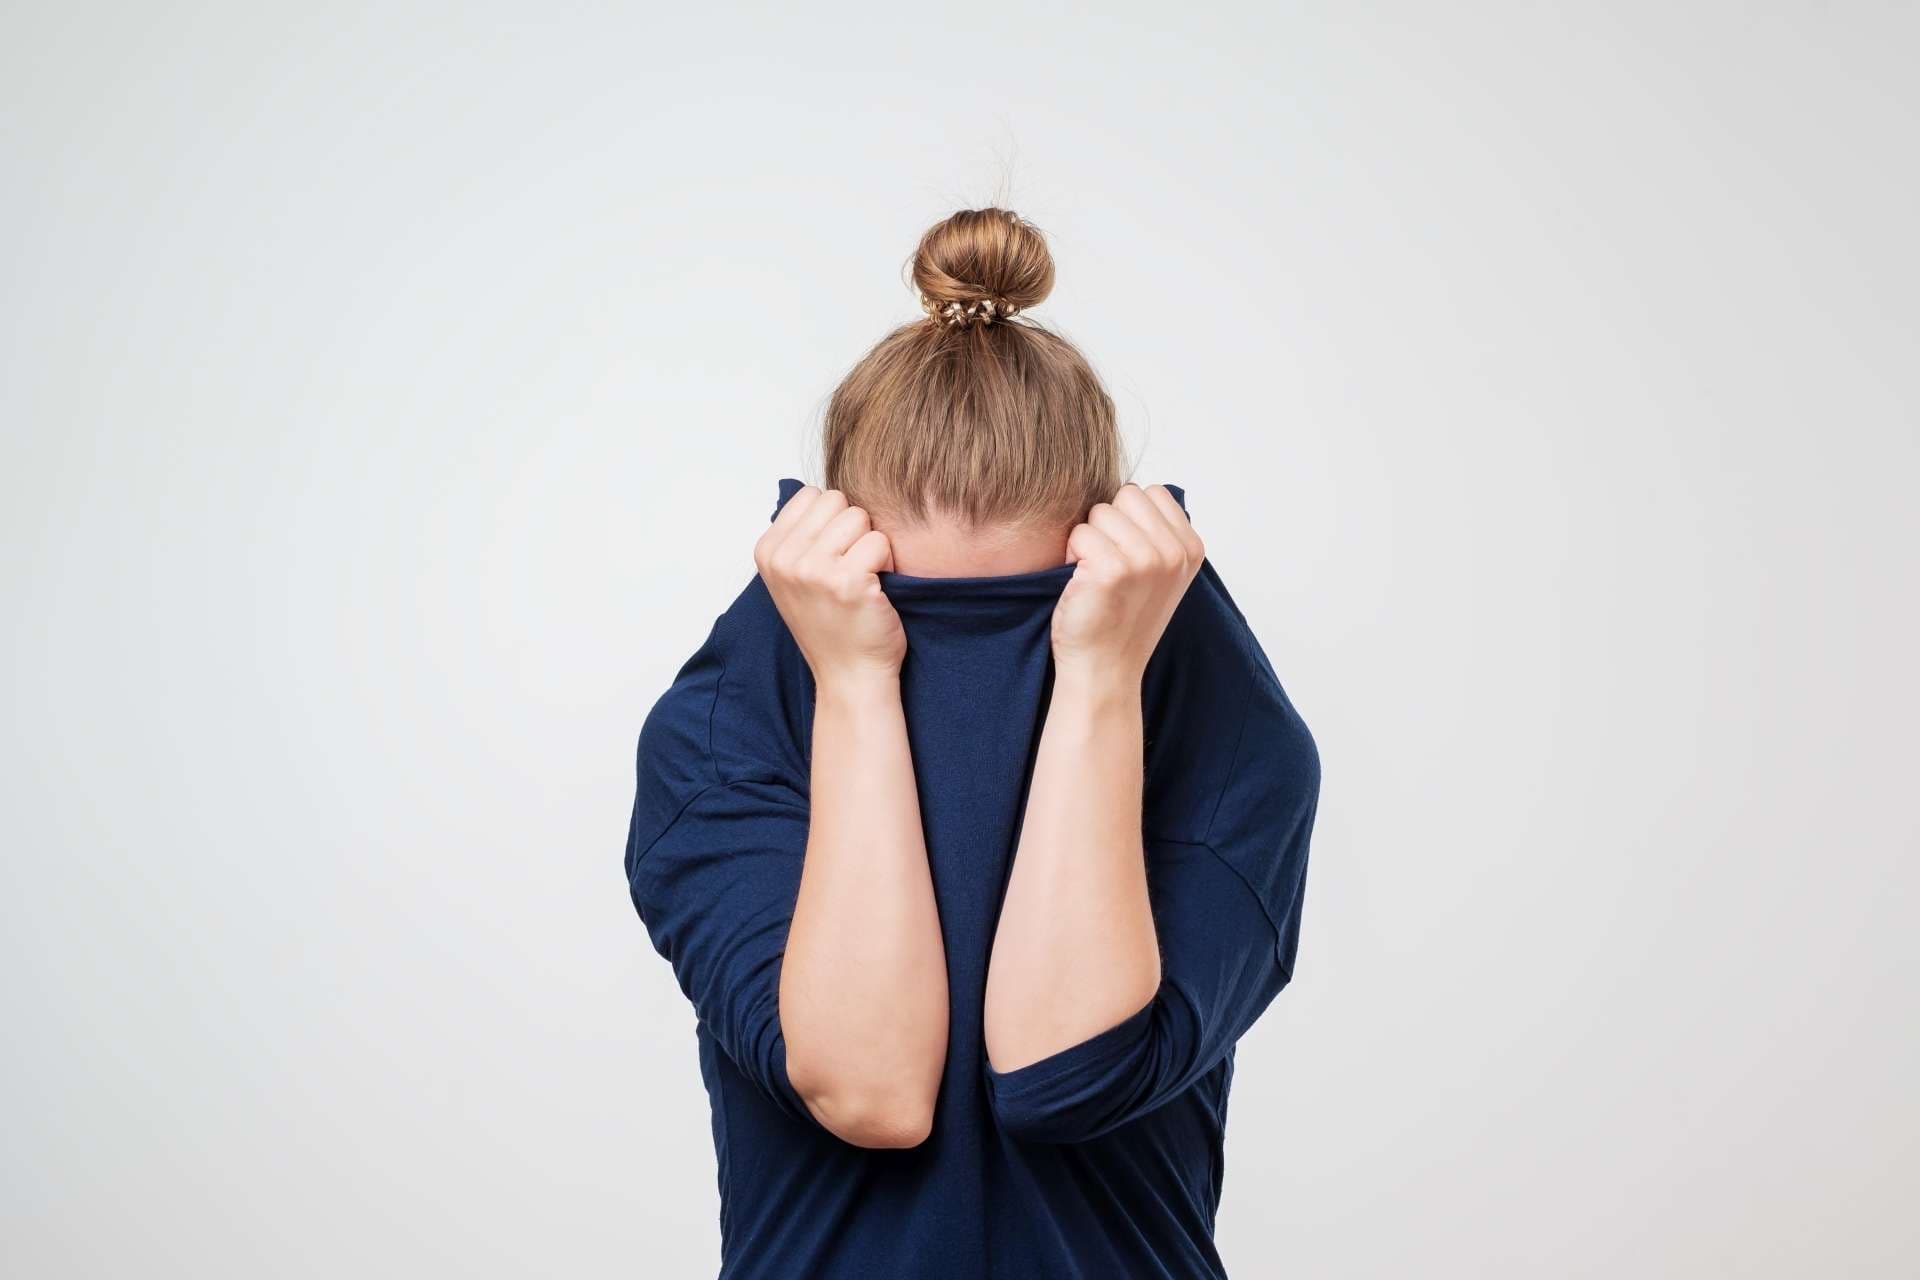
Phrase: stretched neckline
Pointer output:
(1030, 583)
(1050, 581)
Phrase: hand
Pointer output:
(819, 559)
(1136, 557)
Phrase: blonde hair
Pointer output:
(972, 412)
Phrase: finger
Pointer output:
(1139, 506)
(819, 513)
(871, 552)
(1090, 547)
(1177, 520)
(822, 506)
(842, 531)
(790, 512)
(785, 521)
(1162, 497)
(1130, 540)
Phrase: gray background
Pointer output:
(392, 394)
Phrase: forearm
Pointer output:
(863, 989)
(1075, 951)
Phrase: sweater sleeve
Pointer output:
(716, 891)
(1227, 916)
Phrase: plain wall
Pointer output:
(392, 394)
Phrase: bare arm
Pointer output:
(863, 990)
(863, 983)
(1075, 951)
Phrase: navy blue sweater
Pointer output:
(1103, 1160)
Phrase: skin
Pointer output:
(863, 994)
(863, 985)
(1075, 951)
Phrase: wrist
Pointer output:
(1097, 683)
(857, 686)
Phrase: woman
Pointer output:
(976, 832)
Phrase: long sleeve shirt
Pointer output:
(1103, 1160)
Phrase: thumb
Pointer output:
(870, 552)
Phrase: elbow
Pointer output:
(894, 1128)
(877, 1120)
(878, 1114)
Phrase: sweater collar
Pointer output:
(970, 594)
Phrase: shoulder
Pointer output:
(1231, 764)
(1225, 744)
(738, 709)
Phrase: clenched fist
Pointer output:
(819, 559)
(1134, 557)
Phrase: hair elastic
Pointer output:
(983, 310)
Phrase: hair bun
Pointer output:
(981, 264)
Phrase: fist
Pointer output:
(1135, 557)
(820, 558)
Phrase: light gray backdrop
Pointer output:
(392, 393)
